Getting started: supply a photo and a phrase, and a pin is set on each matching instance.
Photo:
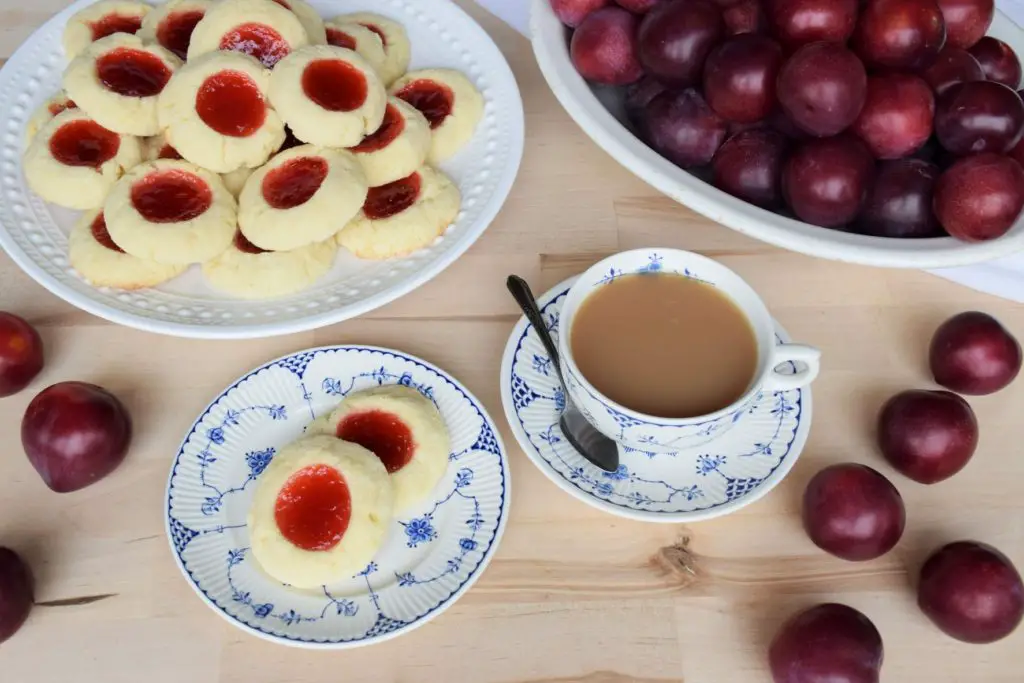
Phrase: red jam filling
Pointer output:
(132, 73)
(168, 152)
(100, 234)
(387, 200)
(381, 432)
(379, 32)
(114, 23)
(289, 140)
(230, 103)
(390, 129)
(339, 38)
(245, 246)
(334, 84)
(313, 508)
(171, 196)
(84, 143)
(175, 31)
(56, 107)
(434, 100)
(257, 40)
(294, 182)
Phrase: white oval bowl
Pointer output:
(589, 107)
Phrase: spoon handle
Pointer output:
(523, 295)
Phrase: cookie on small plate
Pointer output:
(402, 217)
(74, 161)
(171, 212)
(102, 263)
(451, 103)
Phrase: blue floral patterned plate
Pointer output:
(429, 559)
(715, 479)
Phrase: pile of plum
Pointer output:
(892, 118)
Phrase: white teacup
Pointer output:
(658, 434)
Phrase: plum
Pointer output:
(573, 12)
(745, 16)
(899, 34)
(683, 128)
(828, 643)
(16, 593)
(899, 203)
(739, 77)
(637, 6)
(638, 96)
(853, 512)
(825, 181)
(927, 436)
(980, 197)
(75, 434)
(998, 61)
(822, 87)
(972, 592)
(972, 353)
(966, 20)
(675, 38)
(21, 354)
(749, 166)
(953, 65)
(897, 115)
(799, 22)
(980, 116)
(603, 48)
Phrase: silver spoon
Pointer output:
(590, 443)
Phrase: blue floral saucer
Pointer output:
(715, 479)
(429, 559)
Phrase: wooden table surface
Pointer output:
(572, 594)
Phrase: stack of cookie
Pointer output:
(247, 136)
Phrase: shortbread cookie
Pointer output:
(402, 217)
(397, 148)
(248, 272)
(45, 113)
(116, 81)
(157, 147)
(301, 197)
(102, 263)
(451, 103)
(328, 95)
(397, 48)
(235, 180)
(171, 212)
(320, 512)
(260, 28)
(171, 24)
(310, 19)
(401, 427)
(215, 112)
(73, 161)
(101, 20)
(365, 42)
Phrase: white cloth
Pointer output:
(1002, 277)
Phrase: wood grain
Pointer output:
(572, 594)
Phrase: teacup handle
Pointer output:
(800, 353)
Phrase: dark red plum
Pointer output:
(899, 34)
(675, 39)
(828, 643)
(980, 197)
(745, 16)
(972, 353)
(953, 65)
(603, 48)
(826, 181)
(799, 22)
(683, 128)
(638, 96)
(981, 116)
(822, 88)
(899, 204)
(966, 20)
(740, 75)
(749, 166)
(927, 436)
(573, 12)
(16, 593)
(897, 115)
(21, 353)
(637, 6)
(998, 61)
